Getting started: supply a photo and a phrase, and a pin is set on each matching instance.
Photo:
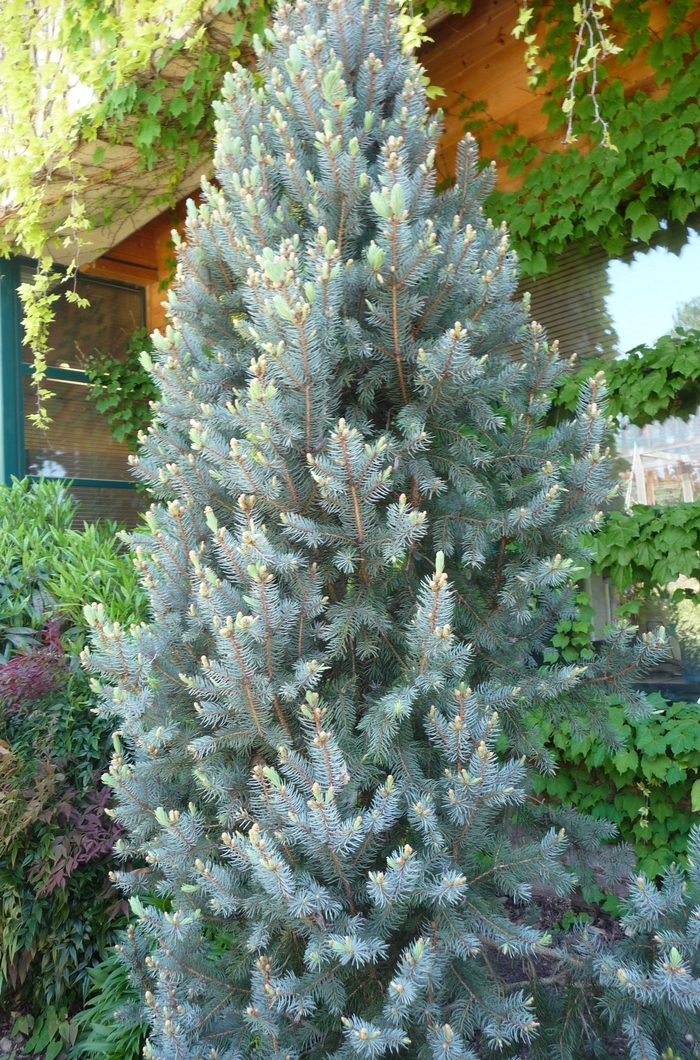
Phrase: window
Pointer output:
(78, 444)
(598, 307)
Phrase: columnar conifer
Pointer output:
(366, 536)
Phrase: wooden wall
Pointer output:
(144, 258)
(476, 58)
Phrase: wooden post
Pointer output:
(686, 471)
(639, 479)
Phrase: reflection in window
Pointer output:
(653, 293)
(116, 311)
(78, 443)
(572, 303)
(598, 307)
(124, 506)
(663, 461)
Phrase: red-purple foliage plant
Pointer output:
(86, 834)
(34, 672)
(55, 837)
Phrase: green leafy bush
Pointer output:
(58, 912)
(111, 1024)
(649, 787)
(122, 389)
(649, 383)
(50, 566)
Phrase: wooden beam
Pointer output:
(145, 258)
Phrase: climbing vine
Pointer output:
(93, 90)
(648, 546)
(80, 82)
(122, 389)
(588, 193)
(629, 166)
(591, 43)
(649, 383)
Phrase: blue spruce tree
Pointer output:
(366, 537)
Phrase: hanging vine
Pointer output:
(79, 79)
(589, 193)
(591, 43)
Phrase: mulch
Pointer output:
(11, 1048)
(546, 910)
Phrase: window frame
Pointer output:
(13, 370)
(11, 412)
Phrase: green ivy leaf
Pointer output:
(644, 227)
(695, 797)
(148, 131)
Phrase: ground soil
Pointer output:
(11, 1048)
(546, 910)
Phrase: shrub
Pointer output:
(34, 673)
(648, 786)
(49, 566)
(58, 912)
(367, 538)
(111, 1025)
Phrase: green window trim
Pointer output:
(67, 375)
(91, 483)
(11, 412)
(12, 372)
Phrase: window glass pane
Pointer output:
(124, 506)
(598, 307)
(571, 303)
(115, 312)
(662, 462)
(78, 443)
(652, 293)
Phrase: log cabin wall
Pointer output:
(145, 258)
(476, 58)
